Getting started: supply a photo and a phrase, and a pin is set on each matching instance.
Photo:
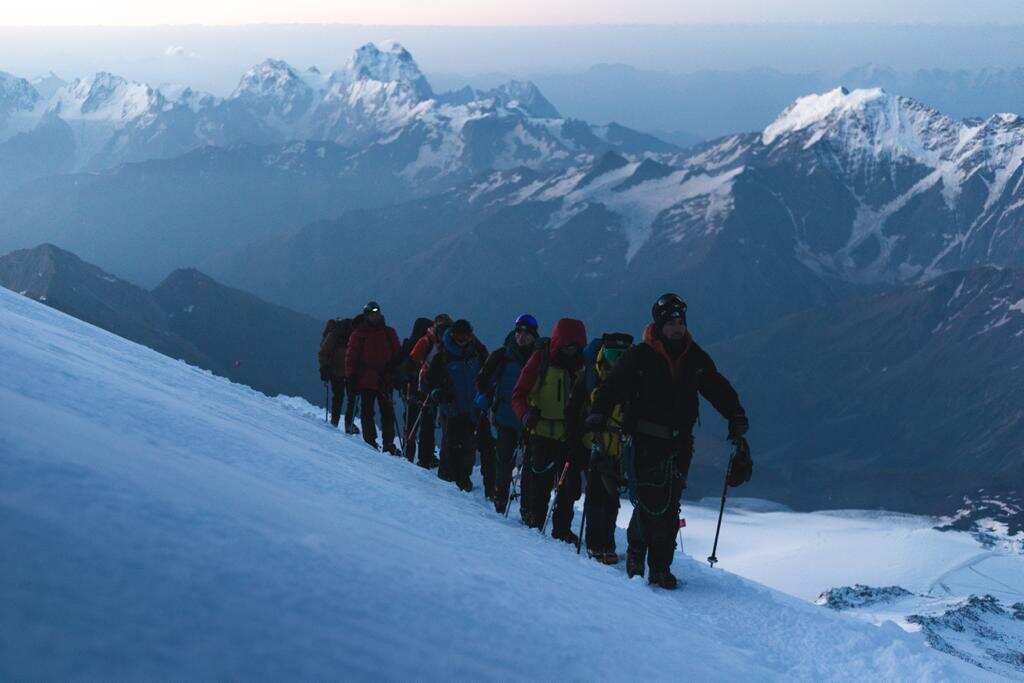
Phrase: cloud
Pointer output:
(179, 52)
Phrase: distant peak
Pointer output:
(526, 96)
(388, 62)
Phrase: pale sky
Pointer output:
(500, 13)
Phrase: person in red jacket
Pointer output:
(372, 355)
(422, 353)
(540, 399)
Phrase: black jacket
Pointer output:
(653, 391)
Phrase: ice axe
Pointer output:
(741, 450)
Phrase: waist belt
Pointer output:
(645, 428)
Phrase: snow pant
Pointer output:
(660, 468)
(602, 508)
(339, 387)
(426, 436)
(458, 449)
(485, 444)
(504, 463)
(525, 477)
(423, 439)
(548, 458)
(387, 418)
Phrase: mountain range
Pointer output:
(828, 242)
(686, 108)
(188, 316)
(916, 390)
(380, 102)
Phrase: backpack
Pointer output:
(612, 340)
(343, 326)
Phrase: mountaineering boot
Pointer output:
(635, 560)
(391, 449)
(464, 484)
(350, 428)
(610, 557)
(663, 579)
(565, 535)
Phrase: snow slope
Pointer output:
(158, 521)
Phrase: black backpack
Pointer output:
(341, 325)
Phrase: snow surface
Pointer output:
(159, 521)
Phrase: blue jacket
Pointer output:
(461, 364)
(503, 369)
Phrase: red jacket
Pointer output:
(373, 351)
(567, 331)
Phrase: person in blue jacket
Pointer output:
(451, 380)
(494, 384)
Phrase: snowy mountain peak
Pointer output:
(48, 84)
(107, 96)
(16, 94)
(812, 110)
(388, 62)
(525, 96)
(269, 77)
(274, 88)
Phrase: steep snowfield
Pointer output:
(159, 521)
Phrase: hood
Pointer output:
(658, 345)
(568, 331)
(453, 348)
(420, 328)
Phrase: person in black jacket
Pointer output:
(659, 382)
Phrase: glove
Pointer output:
(531, 418)
(595, 422)
(738, 426)
(741, 467)
(483, 402)
(325, 374)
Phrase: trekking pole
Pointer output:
(551, 507)
(583, 524)
(327, 399)
(713, 558)
(516, 479)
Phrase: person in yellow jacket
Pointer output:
(604, 469)
(539, 400)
